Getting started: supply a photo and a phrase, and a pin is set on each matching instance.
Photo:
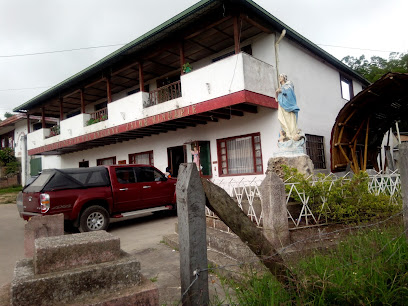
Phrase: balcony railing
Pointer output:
(165, 93)
(98, 116)
(54, 131)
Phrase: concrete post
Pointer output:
(192, 236)
(39, 227)
(275, 222)
(403, 167)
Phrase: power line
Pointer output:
(27, 88)
(116, 45)
(59, 51)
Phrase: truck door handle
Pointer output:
(144, 187)
(123, 189)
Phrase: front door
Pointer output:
(175, 157)
(200, 155)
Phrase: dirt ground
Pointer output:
(8, 198)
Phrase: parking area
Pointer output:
(141, 236)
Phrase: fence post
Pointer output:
(192, 236)
(403, 167)
(275, 215)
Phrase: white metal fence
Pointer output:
(246, 191)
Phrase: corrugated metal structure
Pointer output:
(361, 124)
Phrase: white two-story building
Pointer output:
(205, 79)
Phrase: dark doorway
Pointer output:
(175, 156)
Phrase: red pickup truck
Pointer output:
(89, 197)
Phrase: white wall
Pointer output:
(20, 130)
(264, 122)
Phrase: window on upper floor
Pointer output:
(106, 161)
(38, 126)
(145, 158)
(133, 91)
(346, 85)
(247, 49)
(74, 113)
(101, 105)
(240, 155)
(315, 150)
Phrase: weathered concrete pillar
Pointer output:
(403, 167)
(39, 227)
(192, 236)
(275, 221)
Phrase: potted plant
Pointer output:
(187, 68)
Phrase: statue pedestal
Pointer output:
(291, 148)
(292, 159)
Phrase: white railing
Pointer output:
(247, 191)
(242, 190)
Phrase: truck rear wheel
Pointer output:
(94, 218)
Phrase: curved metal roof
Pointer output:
(361, 124)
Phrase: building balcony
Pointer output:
(220, 84)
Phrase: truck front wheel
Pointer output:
(93, 218)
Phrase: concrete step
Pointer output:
(145, 293)
(63, 287)
(60, 253)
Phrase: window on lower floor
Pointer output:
(106, 161)
(240, 155)
(315, 150)
(84, 164)
(346, 88)
(145, 158)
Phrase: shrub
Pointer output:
(7, 156)
(346, 200)
(9, 161)
(368, 268)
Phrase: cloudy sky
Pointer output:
(32, 32)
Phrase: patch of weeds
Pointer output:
(368, 268)
(154, 279)
(15, 189)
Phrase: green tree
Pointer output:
(8, 115)
(376, 67)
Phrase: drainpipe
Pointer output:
(277, 54)
(398, 132)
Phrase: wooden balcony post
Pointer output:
(42, 117)
(108, 89)
(82, 101)
(182, 58)
(236, 35)
(61, 109)
(28, 124)
(141, 78)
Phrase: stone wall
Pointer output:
(10, 181)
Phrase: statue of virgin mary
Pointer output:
(287, 110)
